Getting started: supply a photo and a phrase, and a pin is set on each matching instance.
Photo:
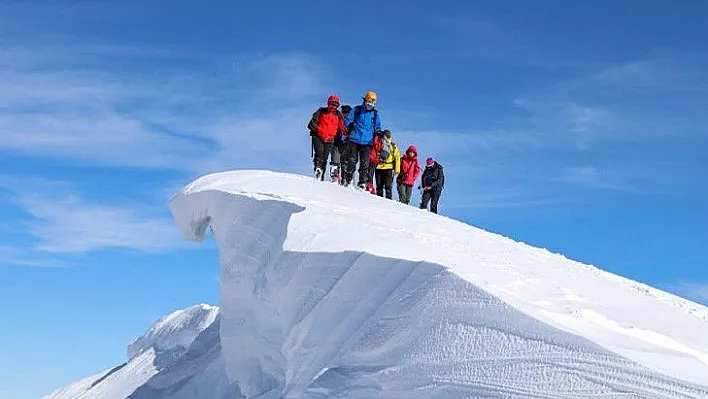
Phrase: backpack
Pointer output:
(386, 150)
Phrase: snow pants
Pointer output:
(432, 196)
(337, 153)
(384, 182)
(321, 152)
(357, 153)
(404, 193)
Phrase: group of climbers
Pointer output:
(354, 136)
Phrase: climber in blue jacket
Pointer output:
(363, 123)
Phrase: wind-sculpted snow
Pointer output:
(326, 291)
(330, 292)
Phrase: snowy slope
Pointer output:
(161, 346)
(176, 330)
(328, 291)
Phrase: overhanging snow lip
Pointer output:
(193, 210)
(487, 250)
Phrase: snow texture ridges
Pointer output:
(329, 292)
(297, 322)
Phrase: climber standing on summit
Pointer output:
(388, 165)
(339, 150)
(363, 124)
(432, 182)
(326, 123)
(410, 169)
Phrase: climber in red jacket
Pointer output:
(324, 126)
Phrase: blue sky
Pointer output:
(580, 128)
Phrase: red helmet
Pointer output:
(333, 99)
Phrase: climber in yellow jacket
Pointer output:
(389, 165)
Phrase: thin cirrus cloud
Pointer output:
(60, 221)
(654, 99)
(27, 257)
(102, 117)
(180, 120)
(91, 112)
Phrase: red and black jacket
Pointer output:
(325, 124)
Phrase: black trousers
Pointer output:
(431, 196)
(357, 153)
(322, 151)
(384, 182)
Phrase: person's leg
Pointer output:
(409, 192)
(364, 172)
(351, 157)
(336, 156)
(335, 163)
(326, 150)
(401, 192)
(388, 182)
(424, 201)
(380, 175)
(371, 175)
(404, 193)
(434, 198)
(319, 153)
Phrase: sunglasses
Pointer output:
(370, 104)
(333, 104)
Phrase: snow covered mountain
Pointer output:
(161, 346)
(331, 292)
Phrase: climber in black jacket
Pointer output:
(432, 182)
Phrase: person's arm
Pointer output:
(378, 123)
(396, 160)
(349, 119)
(312, 125)
(416, 170)
(342, 126)
(440, 179)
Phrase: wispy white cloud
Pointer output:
(175, 119)
(659, 98)
(250, 112)
(73, 225)
(618, 178)
(28, 257)
(61, 221)
(587, 176)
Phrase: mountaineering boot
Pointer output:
(318, 174)
(335, 174)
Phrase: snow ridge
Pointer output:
(176, 330)
(326, 291)
(162, 346)
(329, 292)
